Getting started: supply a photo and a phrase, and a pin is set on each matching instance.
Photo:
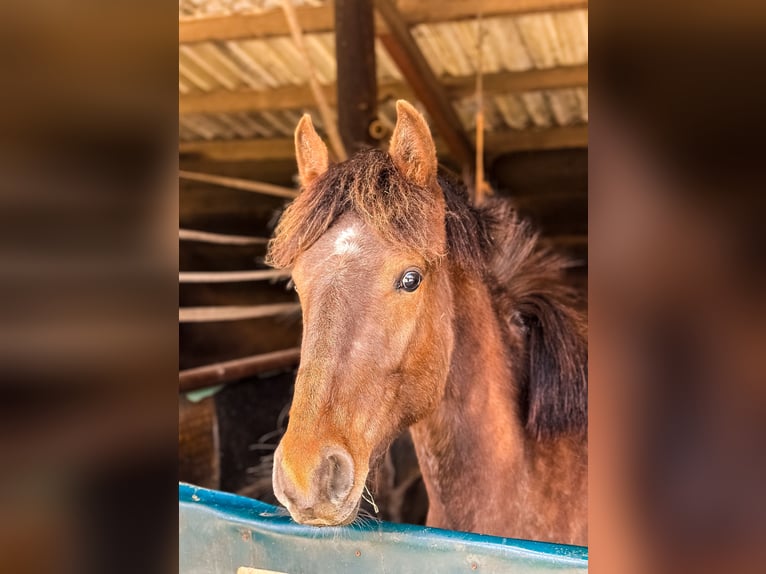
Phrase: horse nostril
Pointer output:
(336, 476)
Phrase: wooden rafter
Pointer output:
(315, 19)
(300, 97)
(509, 141)
(497, 142)
(404, 51)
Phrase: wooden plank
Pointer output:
(536, 139)
(234, 313)
(266, 24)
(356, 80)
(231, 276)
(300, 97)
(419, 12)
(235, 150)
(224, 101)
(228, 371)
(316, 19)
(517, 82)
(495, 143)
(404, 51)
(219, 238)
(241, 184)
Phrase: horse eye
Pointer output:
(410, 281)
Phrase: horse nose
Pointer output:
(315, 491)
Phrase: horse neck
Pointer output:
(475, 435)
(481, 472)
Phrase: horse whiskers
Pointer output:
(370, 499)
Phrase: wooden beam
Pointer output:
(357, 86)
(233, 312)
(518, 82)
(264, 25)
(224, 101)
(237, 369)
(496, 143)
(236, 150)
(316, 19)
(300, 97)
(508, 141)
(231, 276)
(419, 12)
(241, 184)
(406, 54)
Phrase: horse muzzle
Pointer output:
(316, 488)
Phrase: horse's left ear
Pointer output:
(412, 147)
(556, 389)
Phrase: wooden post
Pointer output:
(357, 83)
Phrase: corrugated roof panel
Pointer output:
(427, 39)
(512, 110)
(537, 108)
(504, 40)
(192, 75)
(219, 54)
(565, 106)
(539, 35)
(582, 96)
(240, 128)
(572, 30)
(204, 60)
(256, 70)
(321, 48)
(277, 120)
(258, 127)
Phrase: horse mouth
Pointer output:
(348, 519)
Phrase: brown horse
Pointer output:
(422, 311)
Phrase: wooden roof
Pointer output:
(243, 86)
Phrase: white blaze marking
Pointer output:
(344, 243)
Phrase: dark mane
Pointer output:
(526, 280)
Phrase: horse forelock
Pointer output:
(432, 222)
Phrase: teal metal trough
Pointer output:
(222, 533)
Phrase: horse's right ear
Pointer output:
(310, 152)
(412, 147)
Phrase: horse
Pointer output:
(422, 311)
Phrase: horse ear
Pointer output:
(412, 147)
(310, 151)
(556, 390)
